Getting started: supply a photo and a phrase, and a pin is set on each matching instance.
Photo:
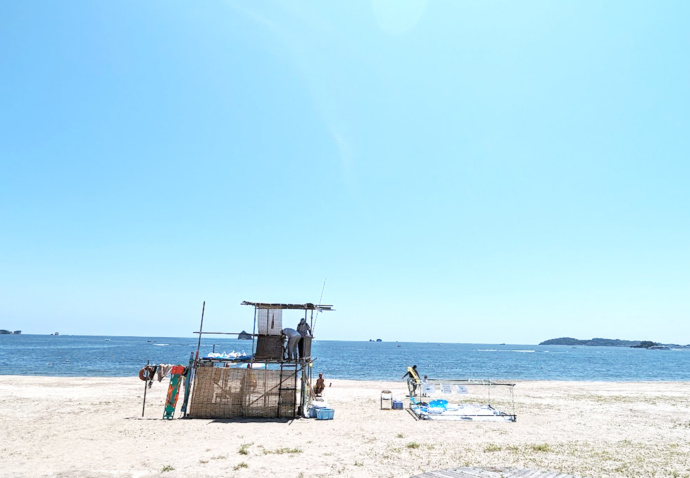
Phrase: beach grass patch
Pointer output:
(167, 468)
(244, 448)
(542, 447)
(399, 435)
(240, 465)
(492, 447)
(513, 449)
(413, 445)
(283, 451)
(219, 457)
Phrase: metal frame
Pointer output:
(472, 382)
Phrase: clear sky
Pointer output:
(457, 171)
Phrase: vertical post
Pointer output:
(300, 410)
(254, 336)
(201, 329)
(187, 385)
(143, 408)
(280, 390)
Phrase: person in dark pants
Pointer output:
(304, 331)
(412, 379)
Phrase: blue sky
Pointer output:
(484, 171)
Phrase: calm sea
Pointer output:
(95, 356)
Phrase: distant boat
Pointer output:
(4, 332)
(56, 333)
(659, 347)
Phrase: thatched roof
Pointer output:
(307, 306)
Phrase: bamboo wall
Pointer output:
(220, 392)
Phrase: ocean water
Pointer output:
(96, 356)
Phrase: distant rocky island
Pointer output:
(10, 332)
(593, 342)
(599, 342)
(244, 336)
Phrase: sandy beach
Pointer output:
(92, 427)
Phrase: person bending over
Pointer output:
(290, 340)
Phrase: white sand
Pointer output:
(92, 427)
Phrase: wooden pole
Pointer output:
(201, 328)
(254, 336)
(143, 408)
(187, 385)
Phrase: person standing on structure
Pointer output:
(304, 331)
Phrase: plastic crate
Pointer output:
(324, 413)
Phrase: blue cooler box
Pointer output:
(397, 405)
(324, 413)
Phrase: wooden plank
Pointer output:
(493, 472)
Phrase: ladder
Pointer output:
(287, 392)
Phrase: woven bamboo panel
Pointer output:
(237, 392)
(269, 347)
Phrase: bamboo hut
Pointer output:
(265, 384)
